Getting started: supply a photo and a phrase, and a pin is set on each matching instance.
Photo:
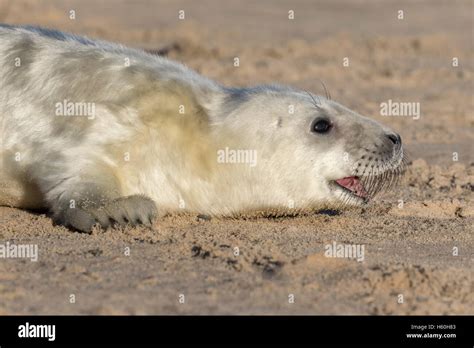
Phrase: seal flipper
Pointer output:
(130, 210)
(82, 202)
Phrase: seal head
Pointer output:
(312, 149)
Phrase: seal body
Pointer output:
(100, 133)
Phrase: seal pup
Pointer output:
(103, 134)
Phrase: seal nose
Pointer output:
(395, 139)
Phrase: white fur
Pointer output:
(173, 165)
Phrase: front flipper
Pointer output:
(80, 202)
(131, 210)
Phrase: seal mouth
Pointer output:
(353, 185)
(375, 178)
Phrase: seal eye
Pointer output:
(321, 126)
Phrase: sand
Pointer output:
(418, 239)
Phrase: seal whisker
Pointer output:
(314, 101)
(326, 92)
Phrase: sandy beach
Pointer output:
(418, 238)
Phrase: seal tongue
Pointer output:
(353, 184)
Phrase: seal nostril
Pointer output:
(394, 138)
